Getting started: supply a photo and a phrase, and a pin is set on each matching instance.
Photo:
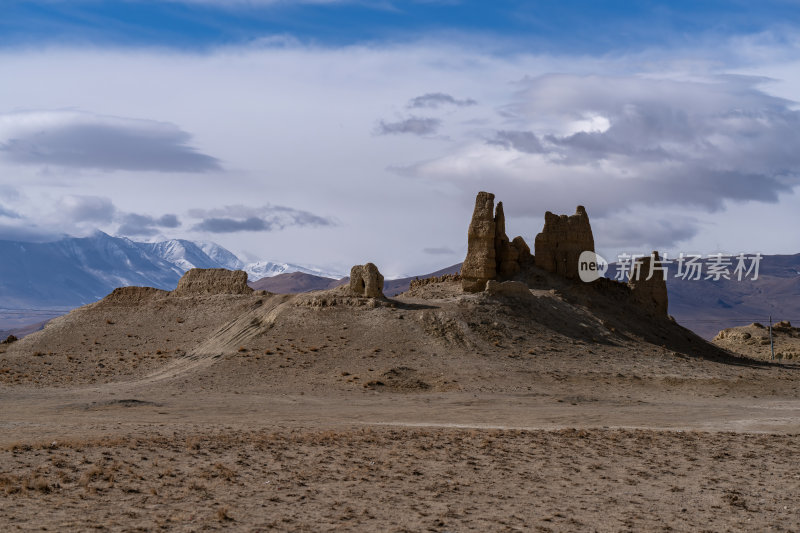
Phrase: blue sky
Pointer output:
(332, 133)
(587, 27)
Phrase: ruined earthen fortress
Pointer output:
(492, 257)
(494, 265)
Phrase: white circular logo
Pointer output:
(591, 266)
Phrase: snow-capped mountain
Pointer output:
(267, 269)
(76, 271)
(188, 254)
(221, 255)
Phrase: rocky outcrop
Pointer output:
(490, 255)
(366, 281)
(480, 264)
(650, 294)
(561, 242)
(508, 289)
(199, 281)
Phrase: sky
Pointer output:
(330, 133)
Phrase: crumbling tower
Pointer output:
(561, 242)
(490, 255)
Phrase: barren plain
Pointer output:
(562, 409)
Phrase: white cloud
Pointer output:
(590, 123)
(646, 142)
(239, 218)
(295, 126)
(81, 208)
(86, 140)
(8, 213)
(436, 100)
(49, 218)
(136, 225)
(412, 125)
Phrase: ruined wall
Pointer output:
(650, 294)
(506, 255)
(416, 283)
(366, 281)
(212, 281)
(492, 257)
(561, 242)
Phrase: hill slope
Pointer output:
(703, 306)
(433, 336)
(295, 282)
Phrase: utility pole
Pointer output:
(771, 344)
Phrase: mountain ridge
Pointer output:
(76, 271)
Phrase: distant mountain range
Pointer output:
(64, 274)
(267, 269)
(706, 306)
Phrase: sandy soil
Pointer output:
(434, 411)
(403, 479)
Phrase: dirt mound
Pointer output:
(753, 341)
(130, 333)
(249, 340)
(341, 297)
(400, 378)
(212, 281)
(507, 289)
(125, 403)
(133, 295)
